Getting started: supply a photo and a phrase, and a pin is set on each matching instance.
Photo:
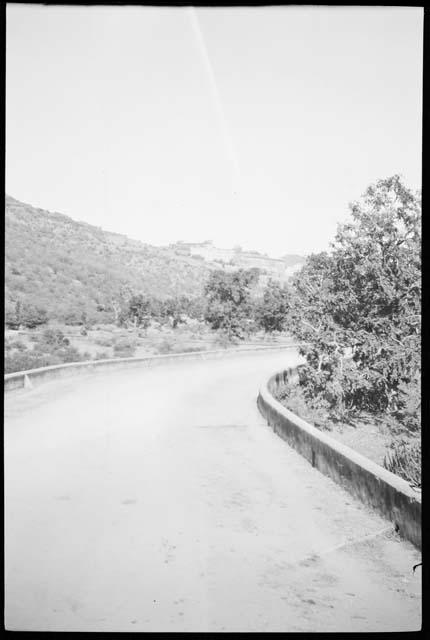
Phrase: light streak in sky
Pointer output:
(228, 144)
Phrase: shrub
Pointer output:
(50, 348)
(18, 345)
(124, 348)
(101, 355)
(52, 337)
(23, 361)
(10, 316)
(223, 341)
(294, 397)
(405, 461)
(72, 318)
(191, 349)
(105, 342)
(71, 354)
(165, 346)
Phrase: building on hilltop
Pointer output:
(236, 257)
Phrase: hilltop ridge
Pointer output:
(239, 257)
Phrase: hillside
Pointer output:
(70, 267)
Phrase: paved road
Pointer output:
(159, 500)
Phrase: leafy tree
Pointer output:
(140, 310)
(175, 309)
(359, 308)
(272, 311)
(229, 301)
(119, 304)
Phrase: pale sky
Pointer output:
(251, 126)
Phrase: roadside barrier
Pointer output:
(28, 379)
(375, 486)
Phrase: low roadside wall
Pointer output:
(27, 379)
(372, 484)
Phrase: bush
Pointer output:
(18, 345)
(24, 361)
(223, 341)
(405, 461)
(294, 397)
(409, 406)
(26, 315)
(124, 348)
(165, 346)
(72, 318)
(31, 316)
(10, 316)
(50, 348)
(191, 349)
(71, 354)
(52, 337)
(101, 355)
(105, 342)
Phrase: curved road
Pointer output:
(159, 500)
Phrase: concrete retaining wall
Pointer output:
(23, 379)
(372, 484)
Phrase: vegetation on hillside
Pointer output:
(59, 269)
(49, 347)
(76, 273)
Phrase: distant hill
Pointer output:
(70, 267)
(291, 260)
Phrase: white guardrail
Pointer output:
(373, 485)
(26, 379)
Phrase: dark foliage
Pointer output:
(272, 311)
(358, 308)
(230, 307)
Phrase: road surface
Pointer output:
(159, 500)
